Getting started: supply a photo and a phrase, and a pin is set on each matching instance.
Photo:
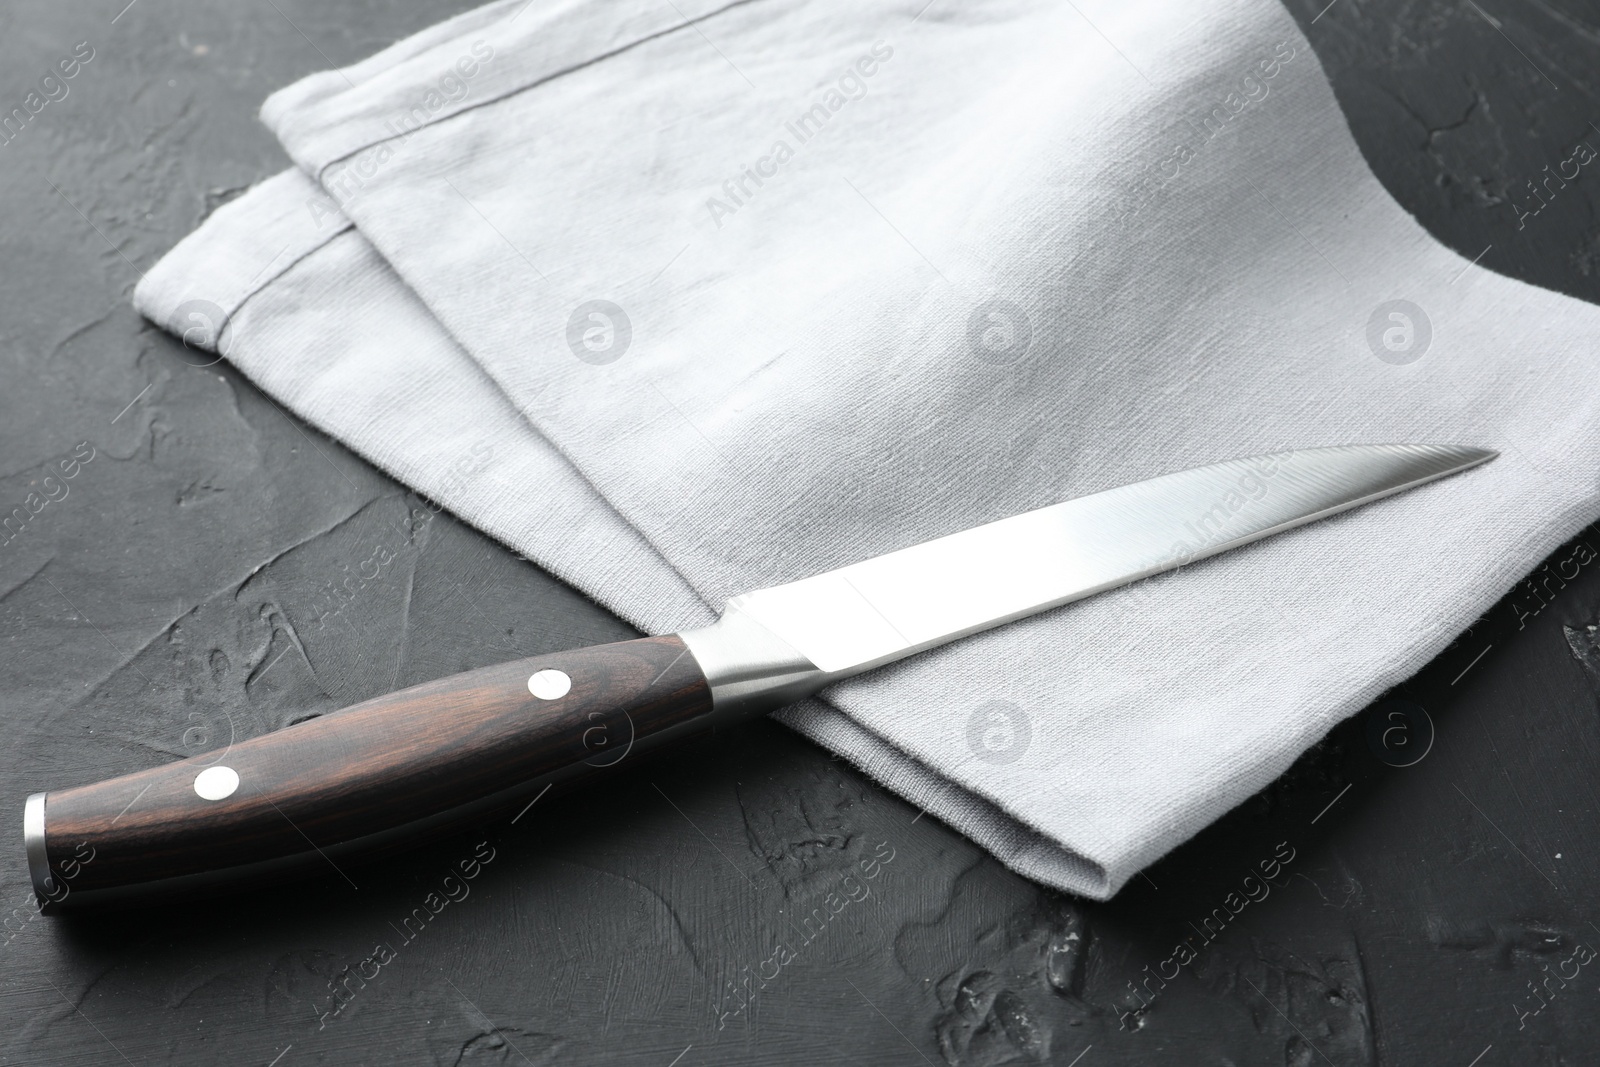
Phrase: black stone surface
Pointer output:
(142, 619)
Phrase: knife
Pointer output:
(391, 771)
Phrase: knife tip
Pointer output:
(1453, 458)
(1430, 461)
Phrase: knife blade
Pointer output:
(391, 771)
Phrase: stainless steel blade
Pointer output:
(882, 609)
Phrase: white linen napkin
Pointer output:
(791, 284)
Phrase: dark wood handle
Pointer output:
(384, 771)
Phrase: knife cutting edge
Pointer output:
(395, 769)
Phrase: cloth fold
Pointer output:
(762, 289)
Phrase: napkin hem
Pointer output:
(337, 116)
(269, 231)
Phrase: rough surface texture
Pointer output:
(756, 902)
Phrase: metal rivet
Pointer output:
(549, 684)
(216, 783)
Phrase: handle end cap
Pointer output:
(38, 860)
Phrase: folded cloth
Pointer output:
(300, 302)
(776, 287)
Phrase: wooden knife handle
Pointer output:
(374, 775)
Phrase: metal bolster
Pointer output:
(33, 840)
(750, 670)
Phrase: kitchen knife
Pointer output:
(401, 767)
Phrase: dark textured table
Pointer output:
(1437, 913)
